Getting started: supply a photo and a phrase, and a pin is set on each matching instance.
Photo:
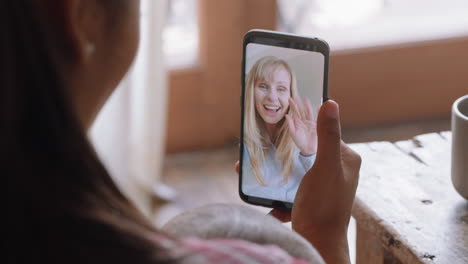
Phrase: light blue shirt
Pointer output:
(271, 171)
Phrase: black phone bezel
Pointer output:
(278, 39)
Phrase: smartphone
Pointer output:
(284, 83)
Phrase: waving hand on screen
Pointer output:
(302, 126)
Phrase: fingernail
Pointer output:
(333, 110)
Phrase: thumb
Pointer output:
(329, 133)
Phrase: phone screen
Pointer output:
(283, 88)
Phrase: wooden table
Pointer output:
(406, 208)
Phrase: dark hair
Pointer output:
(63, 206)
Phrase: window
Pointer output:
(325, 13)
(365, 23)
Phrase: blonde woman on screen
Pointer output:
(279, 132)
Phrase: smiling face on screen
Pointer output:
(272, 93)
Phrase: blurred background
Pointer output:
(169, 134)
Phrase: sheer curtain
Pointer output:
(129, 133)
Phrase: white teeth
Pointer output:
(276, 108)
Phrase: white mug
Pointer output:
(460, 145)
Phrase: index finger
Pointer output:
(295, 108)
(282, 215)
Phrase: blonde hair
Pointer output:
(254, 128)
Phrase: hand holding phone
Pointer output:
(322, 207)
(323, 204)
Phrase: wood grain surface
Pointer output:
(406, 202)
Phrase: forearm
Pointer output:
(332, 247)
(333, 251)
